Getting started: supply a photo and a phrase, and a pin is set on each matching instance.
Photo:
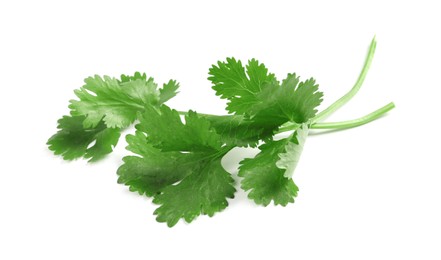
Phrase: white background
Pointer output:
(373, 192)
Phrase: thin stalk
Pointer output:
(343, 100)
(355, 122)
(344, 124)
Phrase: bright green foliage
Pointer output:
(114, 102)
(256, 93)
(137, 75)
(264, 178)
(290, 158)
(268, 175)
(178, 163)
(242, 87)
(72, 141)
(240, 131)
(98, 117)
(166, 130)
(292, 101)
(171, 152)
(117, 102)
(261, 104)
(203, 192)
(152, 170)
(168, 91)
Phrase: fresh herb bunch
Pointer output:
(179, 163)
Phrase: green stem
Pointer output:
(356, 122)
(288, 127)
(344, 124)
(343, 100)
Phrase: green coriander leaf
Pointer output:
(168, 91)
(105, 105)
(292, 101)
(203, 192)
(177, 163)
(290, 158)
(166, 131)
(73, 141)
(238, 130)
(112, 101)
(241, 87)
(268, 175)
(137, 75)
(153, 170)
(256, 94)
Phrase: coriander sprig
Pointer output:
(178, 163)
